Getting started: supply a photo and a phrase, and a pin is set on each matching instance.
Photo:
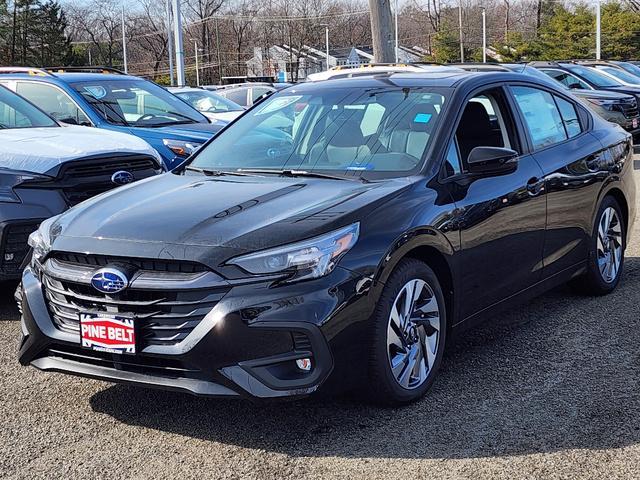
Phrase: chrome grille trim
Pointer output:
(144, 279)
(168, 306)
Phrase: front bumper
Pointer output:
(250, 350)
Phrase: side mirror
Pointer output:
(492, 160)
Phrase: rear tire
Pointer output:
(606, 251)
(409, 331)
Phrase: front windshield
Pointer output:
(621, 75)
(344, 132)
(534, 72)
(594, 77)
(205, 101)
(16, 112)
(630, 67)
(136, 103)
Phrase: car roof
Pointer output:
(451, 78)
(68, 77)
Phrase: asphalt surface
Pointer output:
(549, 390)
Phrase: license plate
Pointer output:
(110, 333)
(634, 122)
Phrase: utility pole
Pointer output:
(195, 48)
(396, 12)
(124, 43)
(484, 35)
(461, 38)
(381, 30)
(89, 50)
(598, 30)
(177, 31)
(167, 7)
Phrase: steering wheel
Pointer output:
(148, 116)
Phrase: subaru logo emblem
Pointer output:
(122, 177)
(109, 280)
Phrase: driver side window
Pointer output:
(486, 122)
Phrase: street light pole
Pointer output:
(195, 46)
(396, 9)
(460, 24)
(598, 30)
(170, 41)
(326, 40)
(177, 31)
(484, 35)
(124, 43)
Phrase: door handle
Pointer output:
(535, 186)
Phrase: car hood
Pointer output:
(194, 132)
(39, 150)
(625, 89)
(601, 94)
(179, 213)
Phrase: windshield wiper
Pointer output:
(217, 173)
(301, 173)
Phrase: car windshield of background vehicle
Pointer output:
(631, 68)
(15, 112)
(349, 133)
(204, 101)
(593, 76)
(621, 75)
(136, 103)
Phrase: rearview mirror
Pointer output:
(575, 86)
(492, 160)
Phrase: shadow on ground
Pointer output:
(557, 373)
(8, 307)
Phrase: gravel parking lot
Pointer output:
(549, 390)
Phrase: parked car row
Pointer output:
(335, 235)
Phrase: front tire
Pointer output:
(409, 331)
(606, 252)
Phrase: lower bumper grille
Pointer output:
(630, 109)
(13, 246)
(135, 364)
(163, 317)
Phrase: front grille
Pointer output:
(90, 168)
(13, 247)
(163, 316)
(629, 108)
(155, 265)
(83, 179)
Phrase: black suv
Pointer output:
(335, 236)
(579, 77)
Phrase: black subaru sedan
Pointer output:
(337, 235)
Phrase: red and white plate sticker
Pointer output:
(104, 333)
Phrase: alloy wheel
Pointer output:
(609, 247)
(413, 334)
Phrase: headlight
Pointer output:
(180, 147)
(10, 179)
(40, 243)
(311, 258)
(606, 104)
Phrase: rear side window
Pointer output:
(541, 116)
(53, 101)
(239, 96)
(569, 117)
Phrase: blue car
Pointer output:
(107, 98)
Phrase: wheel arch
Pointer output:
(434, 249)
